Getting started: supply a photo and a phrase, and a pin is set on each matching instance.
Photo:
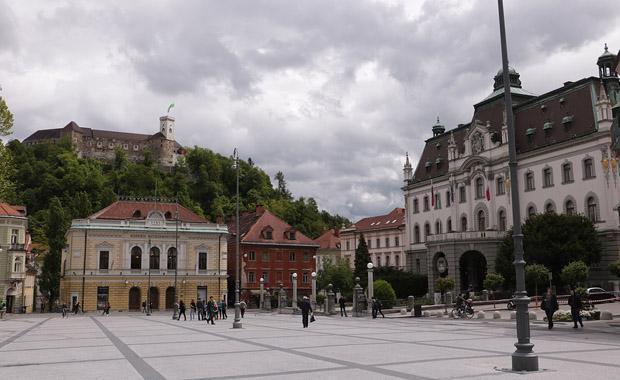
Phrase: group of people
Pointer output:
(550, 305)
(207, 311)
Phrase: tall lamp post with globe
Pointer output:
(371, 291)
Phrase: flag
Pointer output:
(432, 194)
(171, 106)
(488, 193)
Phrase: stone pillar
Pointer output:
(359, 309)
(267, 304)
(371, 291)
(410, 303)
(313, 295)
(294, 301)
(262, 295)
(331, 300)
(280, 291)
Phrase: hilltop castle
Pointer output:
(101, 144)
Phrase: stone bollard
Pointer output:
(403, 311)
(331, 300)
(267, 301)
(485, 295)
(426, 313)
(497, 315)
(532, 316)
(606, 315)
(410, 303)
(513, 315)
(480, 315)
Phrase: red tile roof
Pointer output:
(123, 210)
(253, 224)
(328, 240)
(395, 219)
(7, 210)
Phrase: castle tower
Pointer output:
(166, 127)
(606, 63)
(407, 169)
(438, 128)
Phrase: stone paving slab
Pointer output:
(271, 346)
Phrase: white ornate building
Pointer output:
(567, 163)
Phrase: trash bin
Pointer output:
(417, 310)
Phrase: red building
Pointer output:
(270, 248)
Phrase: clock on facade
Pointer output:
(442, 265)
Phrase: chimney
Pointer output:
(260, 209)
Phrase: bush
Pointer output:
(320, 299)
(493, 281)
(385, 293)
(565, 315)
(405, 284)
(574, 273)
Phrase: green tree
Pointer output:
(384, 292)
(362, 258)
(7, 187)
(282, 189)
(338, 274)
(614, 268)
(574, 273)
(443, 285)
(552, 240)
(493, 281)
(536, 274)
(6, 119)
(56, 227)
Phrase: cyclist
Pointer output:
(460, 303)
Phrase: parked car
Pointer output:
(597, 294)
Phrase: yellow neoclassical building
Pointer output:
(117, 254)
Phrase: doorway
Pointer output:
(154, 298)
(170, 297)
(134, 298)
(473, 271)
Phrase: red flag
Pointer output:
(432, 195)
(488, 194)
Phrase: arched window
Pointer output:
(529, 181)
(502, 220)
(154, 258)
(463, 223)
(168, 215)
(567, 173)
(569, 206)
(482, 225)
(449, 225)
(549, 207)
(531, 211)
(137, 214)
(591, 210)
(588, 168)
(479, 188)
(427, 230)
(172, 258)
(438, 227)
(136, 258)
(416, 234)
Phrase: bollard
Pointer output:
(410, 303)
(497, 315)
(513, 315)
(532, 316)
(606, 315)
(480, 315)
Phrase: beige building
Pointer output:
(329, 248)
(118, 253)
(13, 269)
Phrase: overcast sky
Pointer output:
(332, 93)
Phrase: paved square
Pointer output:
(271, 346)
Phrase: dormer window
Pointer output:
(290, 235)
(267, 233)
(438, 161)
(530, 134)
(168, 215)
(137, 214)
(547, 126)
(567, 121)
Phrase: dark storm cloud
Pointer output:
(333, 93)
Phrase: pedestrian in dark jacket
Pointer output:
(379, 307)
(374, 308)
(574, 300)
(182, 310)
(201, 309)
(550, 305)
(211, 310)
(306, 309)
(343, 310)
(242, 307)
(192, 310)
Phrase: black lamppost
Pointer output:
(148, 289)
(175, 313)
(524, 358)
(237, 321)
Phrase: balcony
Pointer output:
(467, 235)
(17, 275)
(16, 247)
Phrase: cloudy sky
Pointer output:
(332, 93)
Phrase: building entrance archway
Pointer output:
(473, 270)
(134, 298)
(170, 297)
(154, 298)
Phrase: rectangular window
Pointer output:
(306, 257)
(265, 257)
(387, 242)
(304, 278)
(202, 261)
(14, 235)
(567, 173)
(448, 200)
(252, 256)
(291, 257)
(397, 241)
(251, 277)
(102, 296)
(416, 206)
(437, 201)
(417, 266)
(387, 261)
(378, 243)
(588, 169)
(462, 194)
(378, 261)
(500, 190)
(348, 245)
(529, 182)
(426, 207)
(266, 277)
(104, 260)
(547, 177)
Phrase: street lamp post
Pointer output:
(371, 291)
(524, 358)
(237, 322)
(148, 288)
(175, 313)
(262, 294)
(313, 295)
(294, 301)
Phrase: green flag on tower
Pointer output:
(170, 107)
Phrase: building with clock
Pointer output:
(458, 201)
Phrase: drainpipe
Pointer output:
(84, 268)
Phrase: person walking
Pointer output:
(343, 310)
(379, 307)
(374, 308)
(306, 310)
(182, 311)
(76, 307)
(106, 309)
(64, 310)
(144, 307)
(201, 309)
(242, 306)
(211, 307)
(192, 310)
(550, 305)
(574, 301)
(223, 309)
